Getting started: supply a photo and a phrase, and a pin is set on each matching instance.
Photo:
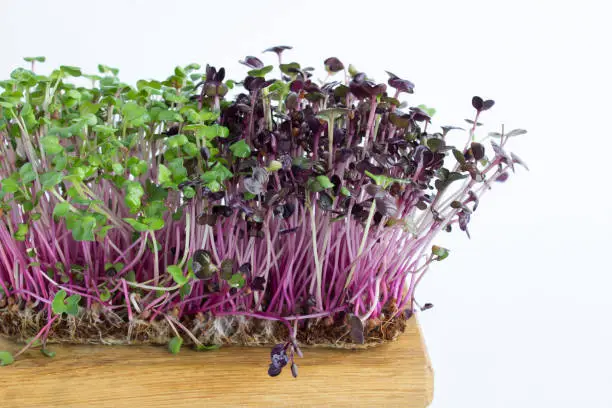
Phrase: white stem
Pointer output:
(363, 242)
(160, 288)
(156, 261)
(187, 235)
(374, 301)
(319, 273)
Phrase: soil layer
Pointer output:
(97, 327)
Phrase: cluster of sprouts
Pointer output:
(279, 197)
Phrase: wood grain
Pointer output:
(398, 374)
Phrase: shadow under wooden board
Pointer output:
(397, 374)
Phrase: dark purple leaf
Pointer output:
(279, 356)
(464, 219)
(277, 349)
(245, 269)
(310, 86)
(343, 154)
(384, 160)
(220, 75)
(472, 197)
(333, 64)
(252, 62)
(488, 104)
(273, 370)
(337, 182)
(419, 115)
(285, 210)
(364, 165)
(502, 177)
(254, 84)
(258, 283)
(396, 189)
(288, 230)
(223, 210)
(296, 86)
(356, 330)
(477, 103)
(204, 152)
(426, 306)
(359, 77)
(216, 196)
(171, 131)
(402, 85)
(207, 219)
(478, 151)
(210, 72)
(422, 155)
(362, 88)
(278, 49)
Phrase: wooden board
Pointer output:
(398, 374)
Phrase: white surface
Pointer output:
(522, 316)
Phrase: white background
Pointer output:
(522, 310)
